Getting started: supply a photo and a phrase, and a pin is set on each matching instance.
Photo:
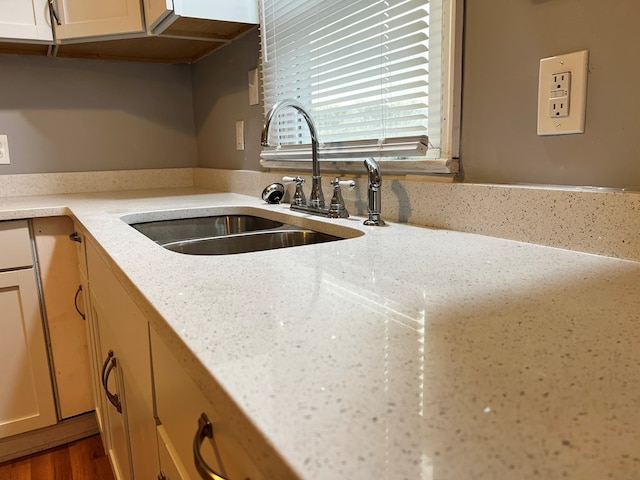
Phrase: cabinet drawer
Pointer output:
(15, 245)
(180, 403)
(171, 466)
(128, 327)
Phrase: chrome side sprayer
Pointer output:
(375, 193)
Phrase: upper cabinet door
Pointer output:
(155, 11)
(25, 21)
(241, 11)
(160, 14)
(83, 19)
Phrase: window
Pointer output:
(375, 75)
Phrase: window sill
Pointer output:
(438, 167)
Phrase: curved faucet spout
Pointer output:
(316, 199)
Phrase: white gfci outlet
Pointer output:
(4, 150)
(562, 94)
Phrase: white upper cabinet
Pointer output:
(169, 31)
(161, 14)
(82, 19)
(25, 21)
(242, 11)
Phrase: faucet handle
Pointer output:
(337, 208)
(298, 196)
(350, 184)
(297, 179)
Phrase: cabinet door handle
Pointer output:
(205, 430)
(54, 11)
(75, 303)
(107, 367)
(75, 237)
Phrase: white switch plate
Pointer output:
(4, 150)
(240, 135)
(562, 98)
(254, 98)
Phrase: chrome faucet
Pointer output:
(375, 193)
(316, 199)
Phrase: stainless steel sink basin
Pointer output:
(228, 234)
(250, 242)
(169, 231)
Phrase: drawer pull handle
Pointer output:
(75, 303)
(108, 366)
(205, 430)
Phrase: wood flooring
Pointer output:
(80, 460)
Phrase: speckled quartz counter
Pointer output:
(405, 353)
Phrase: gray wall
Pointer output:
(220, 98)
(504, 41)
(70, 115)
(81, 115)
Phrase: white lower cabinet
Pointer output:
(121, 342)
(149, 410)
(93, 338)
(95, 362)
(194, 449)
(111, 396)
(62, 299)
(27, 401)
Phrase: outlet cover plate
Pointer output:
(576, 64)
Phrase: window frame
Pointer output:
(447, 160)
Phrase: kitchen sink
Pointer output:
(228, 234)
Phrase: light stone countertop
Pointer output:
(405, 353)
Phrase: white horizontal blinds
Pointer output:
(360, 66)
